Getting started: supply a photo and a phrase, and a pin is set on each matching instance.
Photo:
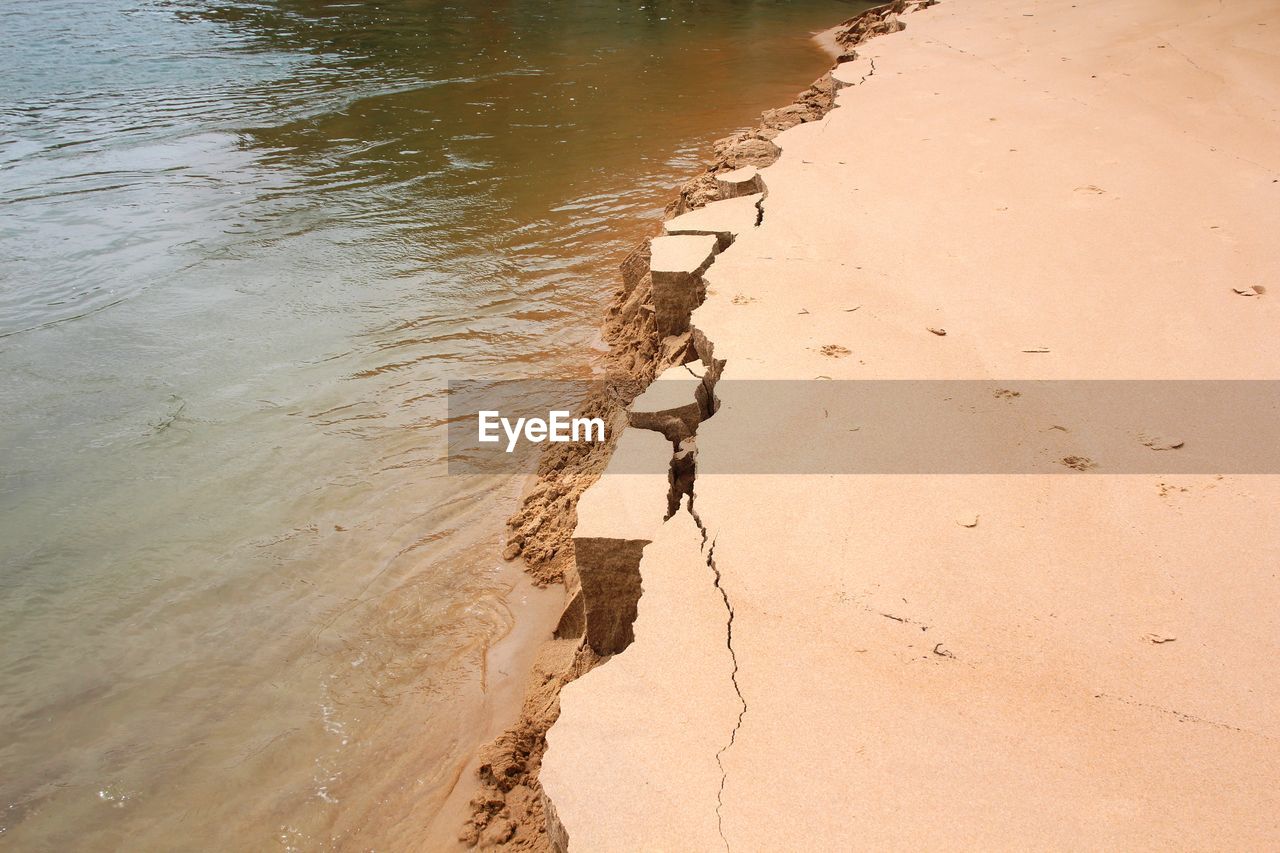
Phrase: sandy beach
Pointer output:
(245, 247)
(1075, 648)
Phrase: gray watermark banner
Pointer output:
(1067, 427)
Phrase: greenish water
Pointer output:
(243, 245)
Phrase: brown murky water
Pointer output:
(242, 247)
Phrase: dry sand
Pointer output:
(509, 809)
(1071, 190)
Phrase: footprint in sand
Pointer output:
(1078, 463)
(835, 351)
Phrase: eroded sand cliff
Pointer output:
(1065, 658)
(648, 332)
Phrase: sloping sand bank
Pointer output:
(1059, 659)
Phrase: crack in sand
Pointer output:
(540, 531)
(871, 73)
(733, 674)
(1182, 716)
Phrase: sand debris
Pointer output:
(942, 333)
(1156, 443)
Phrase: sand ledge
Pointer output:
(510, 809)
(978, 661)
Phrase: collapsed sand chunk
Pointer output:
(739, 150)
(676, 267)
(694, 193)
(634, 267)
(739, 182)
(671, 405)
(617, 517)
(785, 118)
(724, 220)
(677, 349)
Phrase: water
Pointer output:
(242, 247)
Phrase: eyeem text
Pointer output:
(556, 427)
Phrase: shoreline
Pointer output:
(987, 659)
(358, 646)
(508, 670)
(508, 809)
